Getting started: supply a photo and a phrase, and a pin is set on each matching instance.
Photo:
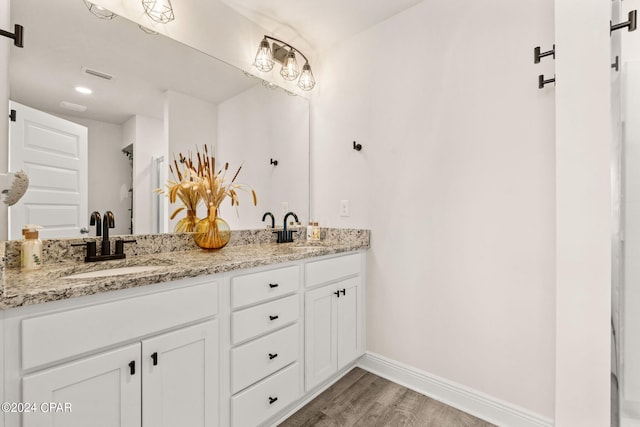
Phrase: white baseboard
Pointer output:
(464, 398)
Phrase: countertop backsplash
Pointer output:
(62, 251)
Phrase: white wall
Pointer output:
(583, 213)
(254, 127)
(456, 181)
(108, 186)
(149, 143)
(190, 123)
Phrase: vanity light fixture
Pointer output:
(99, 11)
(286, 55)
(159, 11)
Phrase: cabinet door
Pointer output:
(348, 313)
(102, 390)
(180, 378)
(321, 355)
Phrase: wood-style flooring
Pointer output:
(363, 399)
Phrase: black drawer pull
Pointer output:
(132, 367)
(154, 357)
(273, 356)
(273, 285)
(272, 400)
(344, 291)
(337, 293)
(273, 317)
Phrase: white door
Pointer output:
(347, 312)
(180, 378)
(321, 354)
(53, 153)
(102, 391)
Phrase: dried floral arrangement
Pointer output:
(195, 181)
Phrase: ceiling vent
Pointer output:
(96, 73)
(73, 107)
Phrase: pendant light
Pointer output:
(290, 70)
(99, 11)
(159, 11)
(307, 81)
(286, 55)
(264, 57)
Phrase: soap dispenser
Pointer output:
(31, 250)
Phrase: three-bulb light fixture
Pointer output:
(286, 55)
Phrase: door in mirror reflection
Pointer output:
(53, 153)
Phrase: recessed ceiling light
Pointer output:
(84, 90)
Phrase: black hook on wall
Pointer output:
(537, 55)
(274, 162)
(631, 23)
(542, 81)
(357, 146)
(616, 65)
(17, 36)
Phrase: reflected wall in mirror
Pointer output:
(156, 97)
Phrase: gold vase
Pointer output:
(212, 232)
(188, 223)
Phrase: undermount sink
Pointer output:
(114, 272)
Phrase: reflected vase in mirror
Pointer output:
(188, 223)
(212, 232)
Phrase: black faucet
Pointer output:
(105, 253)
(273, 220)
(286, 236)
(109, 222)
(96, 220)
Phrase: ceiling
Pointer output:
(62, 37)
(315, 24)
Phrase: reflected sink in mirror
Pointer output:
(118, 271)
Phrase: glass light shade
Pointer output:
(264, 57)
(290, 70)
(159, 11)
(307, 81)
(99, 11)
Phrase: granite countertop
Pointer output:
(51, 283)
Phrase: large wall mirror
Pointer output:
(152, 97)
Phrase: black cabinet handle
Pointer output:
(344, 291)
(273, 317)
(154, 357)
(272, 400)
(273, 285)
(132, 367)
(273, 356)
(337, 293)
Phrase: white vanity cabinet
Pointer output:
(100, 391)
(153, 360)
(266, 344)
(241, 348)
(334, 317)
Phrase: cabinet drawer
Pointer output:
(255, 360)
(61, 335)
(254, 321)
(262, 401)
(253, 288)
(327, 270)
